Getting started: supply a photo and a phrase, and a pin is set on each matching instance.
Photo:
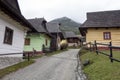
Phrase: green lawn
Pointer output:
(101, 68)
(15, 67)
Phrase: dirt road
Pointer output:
(57, 67)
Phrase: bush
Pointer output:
(63, 44)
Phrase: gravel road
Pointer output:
(57, 67)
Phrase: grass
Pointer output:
(37, 56)
(33, 57)
(115, 54)
(55, 52)
(101, 67)
(15, 67)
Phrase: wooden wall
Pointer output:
(18, 35)
(37, 41)
(97, 34)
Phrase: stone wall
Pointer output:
(8, 61)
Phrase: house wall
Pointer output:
(36, 42)
(55, 43)
(18, 35)
(97, 34)
(73, 42)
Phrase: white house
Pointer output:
(13, 27)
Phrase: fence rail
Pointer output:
(94, 47)
(102, 44)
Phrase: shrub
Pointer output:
(63, 44)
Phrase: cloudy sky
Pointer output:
(74, 9)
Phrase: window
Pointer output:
(27, 41)
(70, 40)
(107, 35)
(8, 37)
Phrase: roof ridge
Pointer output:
(104, 11)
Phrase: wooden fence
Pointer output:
(95, 47)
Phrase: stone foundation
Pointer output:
(8, 61)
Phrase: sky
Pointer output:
(74, 9)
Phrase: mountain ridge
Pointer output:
(67, 24)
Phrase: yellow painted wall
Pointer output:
(97, 34)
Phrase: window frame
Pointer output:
(8, 36)
(28, 43)
(106, 33)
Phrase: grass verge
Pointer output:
(56, 52)
(101, 67)
(15, 67)
(33, 57)
(37, 56)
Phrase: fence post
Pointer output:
(111, 53)
(90, 47)
(96, 49)
(28, 57)
(93, 47)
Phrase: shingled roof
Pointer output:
(37, 24)
(11, 8)
(53, 27)
(13, 4)
(102, 19)
(69, 34)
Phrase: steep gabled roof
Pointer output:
(69, 34)
(37, 23)
(102, 19)
(12, 4)
(53, 27)
(11, 8)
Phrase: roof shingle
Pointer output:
(13, 4)
(53, 27)
(69, 34)
(103, 19)
(37, 24)
(11, 8)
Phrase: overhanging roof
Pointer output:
(10, 7)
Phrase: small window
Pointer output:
(27, 41)
(8, 38)
(70, 40)
(107, 35)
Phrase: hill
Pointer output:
(67, 24)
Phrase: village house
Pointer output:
(13, 28)
(102, 26)
(37, 41)
(72, 38)
(54, 29)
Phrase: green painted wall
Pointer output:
(36, 42)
